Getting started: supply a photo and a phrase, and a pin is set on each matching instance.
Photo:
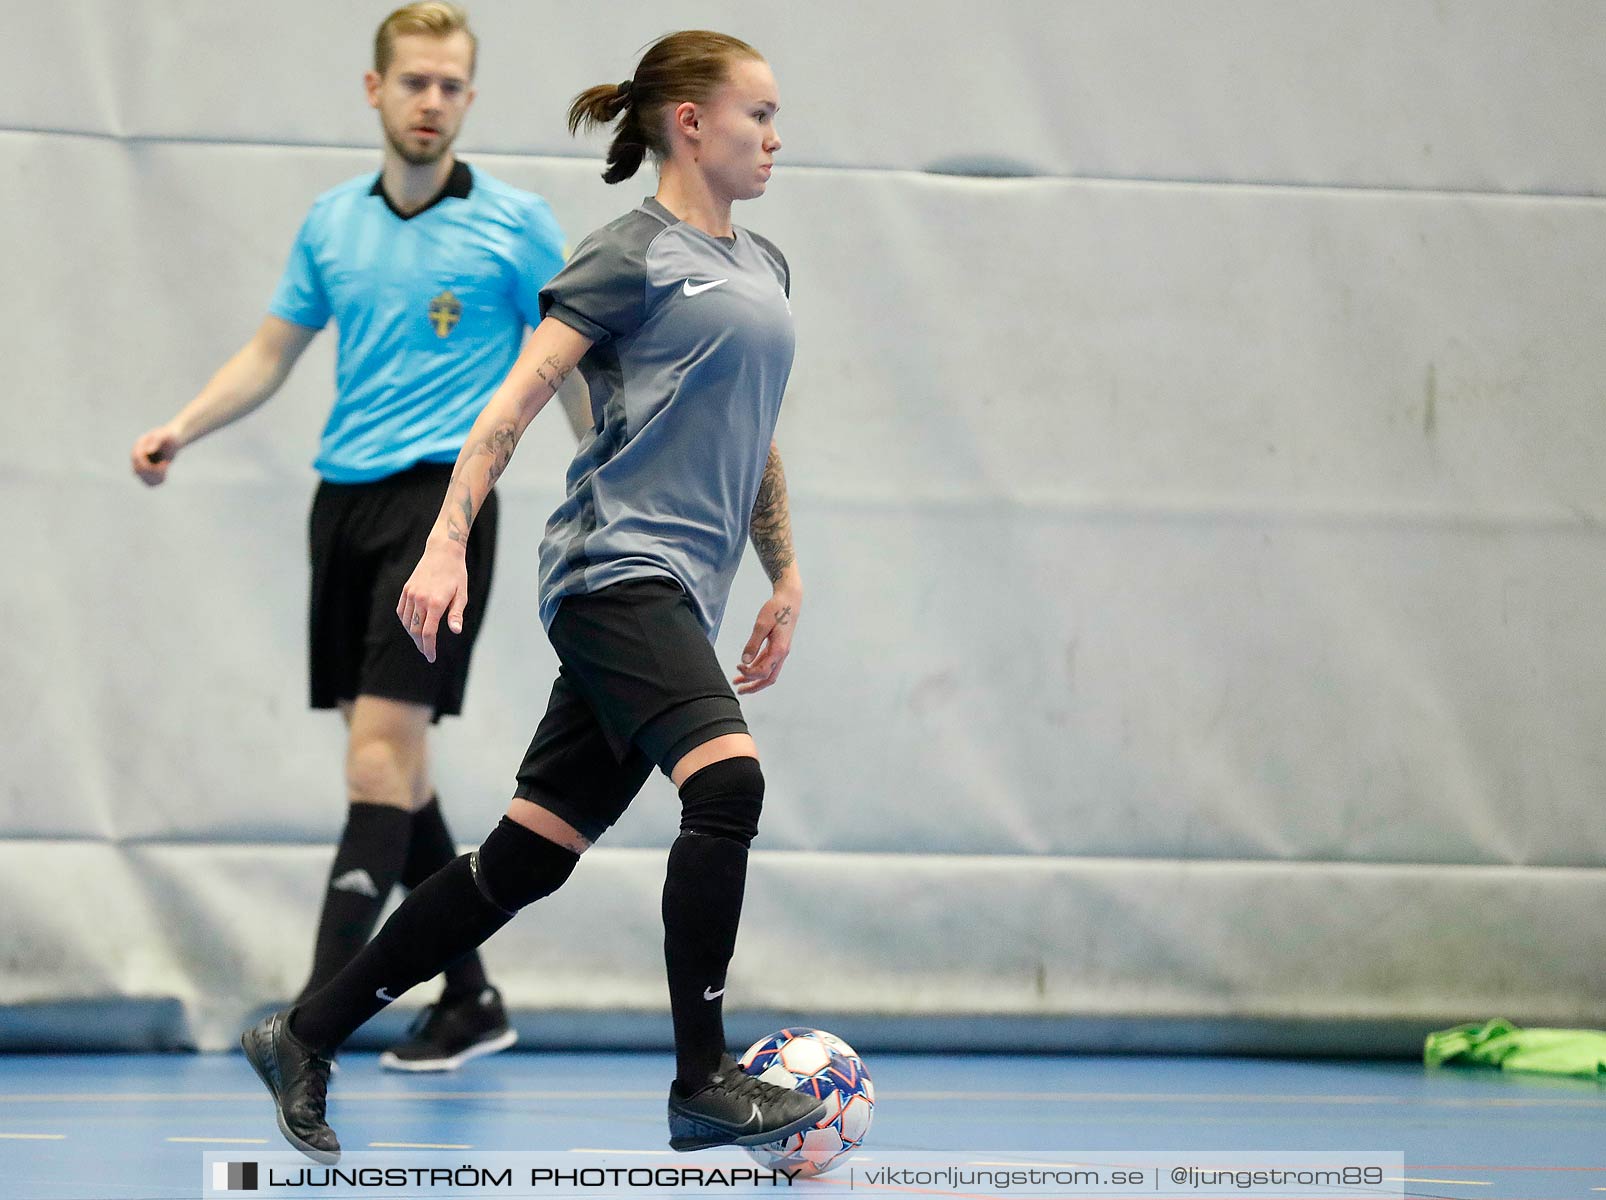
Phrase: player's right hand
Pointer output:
(153, 454)
(438, 587)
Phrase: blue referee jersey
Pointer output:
(431, 311)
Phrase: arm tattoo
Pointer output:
(499, 445)
(771, 525)
(552, 372)
(462, 503)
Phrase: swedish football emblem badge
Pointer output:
(444, 312)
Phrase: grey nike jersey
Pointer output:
(692, 348)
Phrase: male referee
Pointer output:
(431, 271)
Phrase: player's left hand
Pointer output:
(771, 642)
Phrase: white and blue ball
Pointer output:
(824, 1066)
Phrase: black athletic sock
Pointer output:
(367, 865)
(703, 889)
(431, 848)
(445, 917)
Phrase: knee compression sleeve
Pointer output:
(515, 867)
(724, 799)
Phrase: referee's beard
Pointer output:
(426, 157)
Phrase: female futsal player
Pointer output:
(680, 323)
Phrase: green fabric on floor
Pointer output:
(1501, 1044)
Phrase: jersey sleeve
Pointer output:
(779, 259)
(541, 258)
(602, 291)
(300, 296)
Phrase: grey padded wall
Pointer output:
(1194, 449)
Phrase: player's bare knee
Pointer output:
(541, 820)
(686, 762)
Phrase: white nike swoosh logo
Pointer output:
(710, 994)
(380, 992)
(689, 290)
(756, 1119)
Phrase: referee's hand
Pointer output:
(153, 454)
(438, 587)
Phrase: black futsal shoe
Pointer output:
(298, 1080)
(737, 1109)
(450, 1032)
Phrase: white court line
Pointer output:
(982, 1162)
(1248, 1098)
(967, 1097)
(1460, 1182)
(418, 1146)
(222, 1141)
(595, 1150)
(34, 1137)
(216, 1097)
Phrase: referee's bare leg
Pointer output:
(388, 764)
(387, 752)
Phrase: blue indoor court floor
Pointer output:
(134, 1127)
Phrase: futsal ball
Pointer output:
(818, 1064)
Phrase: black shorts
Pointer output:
(638, 686)
(365, 539)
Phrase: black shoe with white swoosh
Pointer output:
(298, 1080)
(737, 1109)
(450, 1032)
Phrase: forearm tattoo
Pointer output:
(771, 526)
(552, 371)
(496, 447)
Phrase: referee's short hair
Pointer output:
(437, 18)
